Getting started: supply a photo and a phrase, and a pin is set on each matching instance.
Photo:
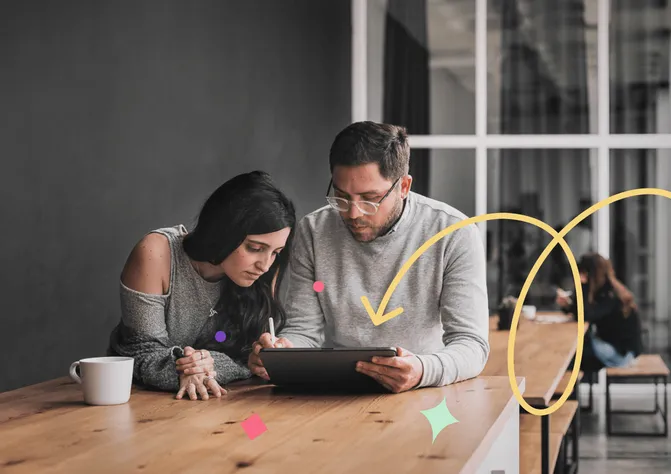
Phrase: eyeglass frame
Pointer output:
(376, 205)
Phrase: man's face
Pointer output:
(365, 183)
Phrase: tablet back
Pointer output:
(321, 369)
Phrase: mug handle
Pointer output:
(73, 372)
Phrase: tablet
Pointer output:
(322, 368)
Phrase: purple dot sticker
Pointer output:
(220, 336)
(318, 286)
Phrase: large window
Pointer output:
(639, 243)
(538, 106)
(552, 186)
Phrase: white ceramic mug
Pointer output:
(529, 312)
(104, 380)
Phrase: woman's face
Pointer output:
(254, 257)
(584, 278)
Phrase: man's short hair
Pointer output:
(369, 142)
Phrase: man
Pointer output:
(357, 245)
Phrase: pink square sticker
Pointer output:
(253, 426)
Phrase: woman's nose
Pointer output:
(265, 263)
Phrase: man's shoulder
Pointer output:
(318, 220)
(432, 216)
(432, 209)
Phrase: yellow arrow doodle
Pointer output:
(379, 317)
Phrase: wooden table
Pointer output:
(542, 355)
(543, 352)
(47, 428)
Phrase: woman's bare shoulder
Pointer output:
(147, 268)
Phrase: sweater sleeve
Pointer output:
(464, 313)
(142, 335)
(228, 368)
(305, 318)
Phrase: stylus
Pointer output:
(272, 330)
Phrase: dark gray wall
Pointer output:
(121, 117)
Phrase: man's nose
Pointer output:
(353, 212)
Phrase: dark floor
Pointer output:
(600, 454)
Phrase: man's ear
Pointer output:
(406, 184)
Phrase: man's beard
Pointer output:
(377, 231)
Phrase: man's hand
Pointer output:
(396, 374)
(199, 384)
(265, 341)
(195, 362)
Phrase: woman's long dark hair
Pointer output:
(596, 267)
(248, 204)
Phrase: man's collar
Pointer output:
(404, 214)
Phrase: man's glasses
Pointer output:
(365, 207)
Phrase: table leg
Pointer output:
(545, 444)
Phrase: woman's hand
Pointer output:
(199, 384)
(254, 361)
(609, 271)
(563, 299)
(195, 362)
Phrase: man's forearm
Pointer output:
(462, 359)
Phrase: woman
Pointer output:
(212, 289)
(614, 339)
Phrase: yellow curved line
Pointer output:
(558, 237)
(579, 297)
(379, 317)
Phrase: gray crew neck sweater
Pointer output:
(444, 294)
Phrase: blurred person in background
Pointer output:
(614, 336)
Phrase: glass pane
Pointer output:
(639, 64)
(541, 65)
(421, 65)
(553, 186)
(453, 178)
(639, 244)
